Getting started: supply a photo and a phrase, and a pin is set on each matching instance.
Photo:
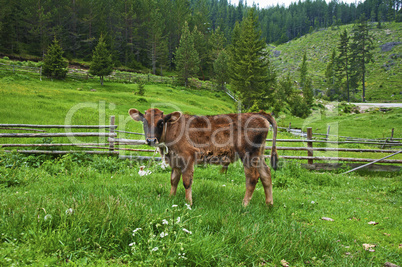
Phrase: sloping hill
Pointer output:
(384, 75)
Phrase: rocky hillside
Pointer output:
(384, 76)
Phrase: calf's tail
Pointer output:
(274, 153)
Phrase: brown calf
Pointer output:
(221, 139)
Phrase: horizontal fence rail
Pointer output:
(31, 135)
(121, 146)
(60, 126)
(388, 143)
(340, 159)
(58, 152)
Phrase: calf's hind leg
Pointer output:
(252, 176)
(265, 175)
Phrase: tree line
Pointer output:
(146, 33)
(348, 63)
(208, 39)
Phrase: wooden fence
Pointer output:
(122, 146)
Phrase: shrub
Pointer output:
(299, 107)
(141, 89)
(54, 65)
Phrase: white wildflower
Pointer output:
(143, 172)
(178, 220)
(224, 185)
(188, 206)
(164, 165)
(163, 234)
(48, 217)
(174, 206)
(135, 230)
(312, 202)
(131, 244)
(187, 231)
(69, 211)
(164, 221)
(155, 249)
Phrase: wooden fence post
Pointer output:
(111, 130)
(327, 137)
(290, 126)
(392, 134)
(310, 144)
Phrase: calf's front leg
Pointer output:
(174, 180)
(188, 181)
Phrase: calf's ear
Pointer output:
(136, 115)
(172, 117)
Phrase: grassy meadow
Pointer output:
(383, 75)
(82, 210)
(99, 211)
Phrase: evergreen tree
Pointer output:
(343, 62)
(303, 70)
(308, 92)
(157, 45)
(221, 69)
(330, 70)
(54, 66)
(283, 94)
(201, 46)
(362, 46)
(249, 63)
(187, 60)
(306, 84)
(216, 44)
(101, 64)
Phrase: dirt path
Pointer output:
(365, 106)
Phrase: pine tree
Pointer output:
(303, 70)
(308, 92)
(101, 64)
(362, 46)
(54, 66)
(249, 63)
(343, 62)
(221, 69)
(283, 94)
(330, 70)
(187, 60)
(157, 45)
(201, 46)
(305, 82)
(216, 44)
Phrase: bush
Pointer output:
(141, 89)
(349, 108)
(299, 107)
(54, 65)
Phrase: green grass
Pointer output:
(372, 124)
(26, 100)
(382, 83)
(83, 211)
(52, 100)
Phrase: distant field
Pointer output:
(27, 100)
(384, 75)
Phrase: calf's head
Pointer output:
(154, 122)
